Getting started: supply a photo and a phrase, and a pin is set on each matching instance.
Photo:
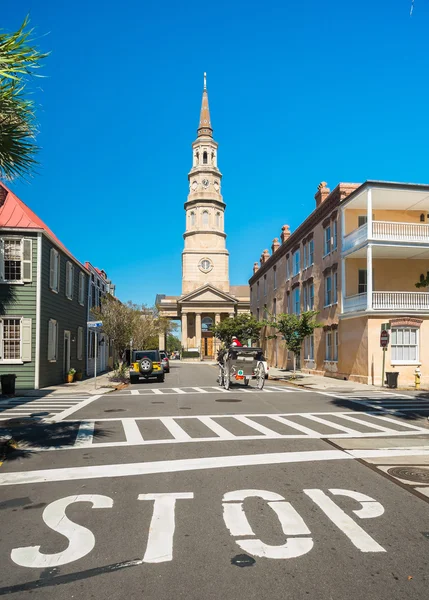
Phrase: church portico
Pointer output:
(207, 297)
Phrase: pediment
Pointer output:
(208, 293)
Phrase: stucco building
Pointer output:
(207, 296)
(355, 259)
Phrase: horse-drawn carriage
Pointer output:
(240, 365)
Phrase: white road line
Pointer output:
(390, 420)
(303, 428)
(135, 392)
(257, 426)
(330, 424)
(194, 464)
(85, 434)
(69, 411)
(176, 431)
(156, 391)
(179, 390)
(364, 423)
(132, 432)
(219, 389)
(216, 428)
(201, 390)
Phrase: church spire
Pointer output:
(205, 127)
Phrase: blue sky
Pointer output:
(299, 92)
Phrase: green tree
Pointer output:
(424, 281)
(244, 326)
(173, 343)
(19, 61)
(294, 329)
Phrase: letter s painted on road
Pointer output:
(291, 522)
(81, 540)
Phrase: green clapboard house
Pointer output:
(43, 300)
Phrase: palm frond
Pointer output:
(18, 55)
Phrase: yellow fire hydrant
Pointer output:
(417, 377)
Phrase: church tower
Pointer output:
(205, 257)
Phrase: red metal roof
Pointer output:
(16, 215)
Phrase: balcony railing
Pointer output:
(400, 232)
(388, 301)
(387, 231)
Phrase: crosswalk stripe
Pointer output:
(365, 423)
(216, 428)
(329, 424)
(156, 391)
(176, 431)
(200, 390)
(297, 426)
(85, 434)
(179, 390)
(257, 426)
(135, 392)
(219, 389)
(132, 431)
(390, 420)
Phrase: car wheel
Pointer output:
(133, 379)
(146, 366)
(160, 378)
(167, 371)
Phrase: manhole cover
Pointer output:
(410, 473)
(243, 560)
(228, 400)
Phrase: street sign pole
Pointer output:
(95, 359)
(384, 364)
(384, 342)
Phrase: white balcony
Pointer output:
(388, 301)
(387, 231)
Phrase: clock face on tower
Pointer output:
(205, 183)
(205, 265)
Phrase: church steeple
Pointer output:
(205, 127)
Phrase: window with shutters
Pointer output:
(52, 340)
(309, 347)
(16, 260)
(15, 340)
(328, 290)
(296, 262)
(327, 240)
(81, 295)
(335, 288)
(335, 235)
(310, 253)
(54, 270)
(296, 301)
(275, 278)
(328, 347)
(79, 343)
(311, 296)
(404, 345)
(305, 297)
(335, 348)
(69, 280)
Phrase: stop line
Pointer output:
(140, 431)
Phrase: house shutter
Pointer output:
(51, 340)
(79, 343)
(27, 255)
(1, 260)
(52, 269)
(26, 340)
(57, 278)
(67, 279)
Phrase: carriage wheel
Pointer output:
(227, 380)
(260, 377)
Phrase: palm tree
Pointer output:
(19, 60)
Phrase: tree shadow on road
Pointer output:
(23, 437)
(388, 405)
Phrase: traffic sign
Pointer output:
(94, 324)
(384, 339)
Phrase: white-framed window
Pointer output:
(304, 256)
(81, 295)
(296, 301)
(309, 347)
(205, 220)
(15, 340)
(296, 261)
(326, 240)
(192, 218)
(69, 280)
(311, 296)
(404, 345)
(265, 285)
(275, 277)
(328, 290)
(54, 270)
(16, 260)
(79, 351)
(335, 235)
(52, 340)
(335, 348)
(310, 253)
(335, 288)
(328, 346)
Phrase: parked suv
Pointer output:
(164, 361)
(146, 364)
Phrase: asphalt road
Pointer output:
(182, 490)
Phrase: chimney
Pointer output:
(275, 245)
(322, 193)
(264, 256)
(255, 267)
(285, 233)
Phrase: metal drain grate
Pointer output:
(417, 474)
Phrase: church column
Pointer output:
(216, 341)
(162, 341)
(185, 331)
(198, 331)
